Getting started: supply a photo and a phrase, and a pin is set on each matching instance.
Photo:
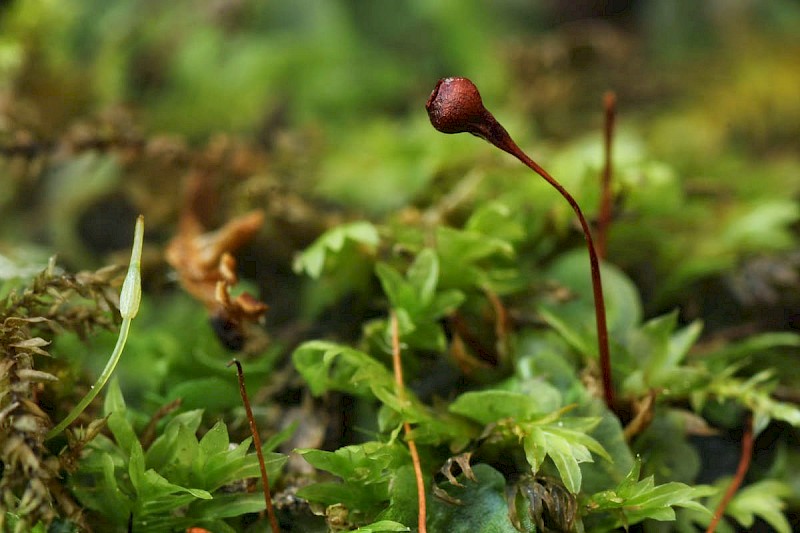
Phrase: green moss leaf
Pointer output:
(114, 408)
(574, 318)
(330, 366)
(765, 499)
(215, 440)
(382, 526)
(492, 405)
(635, 500)
(483, 505)
(312, 261)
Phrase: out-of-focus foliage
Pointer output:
(312, 113)
(211, 66)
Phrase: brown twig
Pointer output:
(455, 106)
(273, 521)
(604, 215)
(741, 470)
(149, 433)
(501, 324)
(412, 447)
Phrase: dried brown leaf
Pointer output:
(28, 374)
(204, 261)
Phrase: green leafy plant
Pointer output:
(435, 348)
(530, 419)
(542, 430)
(177, 481)
(635, 500)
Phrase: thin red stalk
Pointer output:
(273, 521)
(741, 471)
(508, 145)
(412, 446)
(604, 216)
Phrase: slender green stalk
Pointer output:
(129, 299)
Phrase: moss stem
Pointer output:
(129, 299)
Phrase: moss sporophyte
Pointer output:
(129, 299)
(455, 106)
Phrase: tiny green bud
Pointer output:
(131, 294)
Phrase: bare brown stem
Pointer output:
(741, 471)
(412, 446)
(604, 215)
(273, 521)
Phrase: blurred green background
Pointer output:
(329, 97)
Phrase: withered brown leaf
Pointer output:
(206, 267)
